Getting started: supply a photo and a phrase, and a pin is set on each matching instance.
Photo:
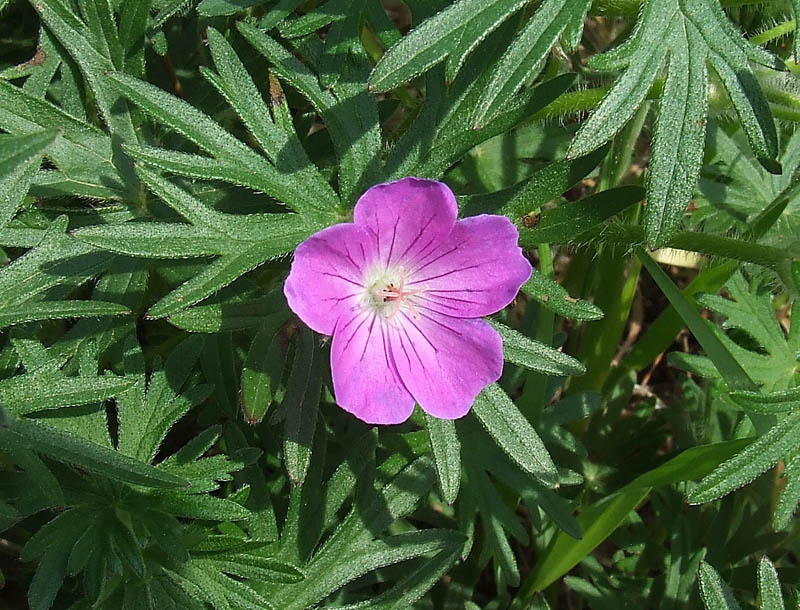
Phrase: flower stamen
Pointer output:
(399, 295)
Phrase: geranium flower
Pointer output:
(402, 291)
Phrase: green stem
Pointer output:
(585, 100)
(727, 365)
(787, 114)
(665, 328)
(782, 97)
(773, 33)
(375, 50)
(784, 105)
(615, 293)
(703, 243)
(534, 391)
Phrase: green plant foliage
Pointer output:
(170, 436)
(717, 595)
(694, 35)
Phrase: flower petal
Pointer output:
(365, 380)
(326, 279)
(476, 272)
(407, 218)
(445, 362)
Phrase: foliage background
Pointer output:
(168, 436)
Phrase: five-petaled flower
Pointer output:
(402, 291)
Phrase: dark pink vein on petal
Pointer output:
(429, 247)
(341, 277)
(390, 359)
(429, 290)
(446, 302)
(416, 238)
(419, 330)
(426, 297)
(391, 246)
(433, 260)
(350, 258)
(442, 325)
(414, 349)
(366, 341)
(340, 299)
(353, 319)
(451, 272)
(378, 233)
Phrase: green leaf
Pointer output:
(413, 585)
(350, 551)
(679, 133)
(133, 24)
(692, 34)
(769, 588)
(527, 52)
(70, 449)
(447, 455)
(39, 475)
(29, 393)
(750, 310)
(157, 240)
(514, 434)
(568, 221)
(248, 565)
(600, 519)
(536, 356)
(360, 455)
(57, 261)
(276, 234)
(715, 593)
(226, 316)
(546, 184)
(20, 157)
(747, 465)
(452, 142)
(148, 410)
(60, 309)
(551, 295)
(218, 8)
(213, 139)
(453, 34)
(300, 405)
(203, 506)
(349, 112)
(726, 364)
(790, 497)
(222, 272)
(282, 146)
(313, 20)
(50, 574)
(83, 154)
(262, 371)
(774, 402)
(96, 49)
(198, 166)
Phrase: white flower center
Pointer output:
(386, 292)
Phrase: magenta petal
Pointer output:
(476, 272)
(407, 218)
(445, 362)
(365, 380)
(326, 279)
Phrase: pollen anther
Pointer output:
(398, 295)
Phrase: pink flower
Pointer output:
(402, 290)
